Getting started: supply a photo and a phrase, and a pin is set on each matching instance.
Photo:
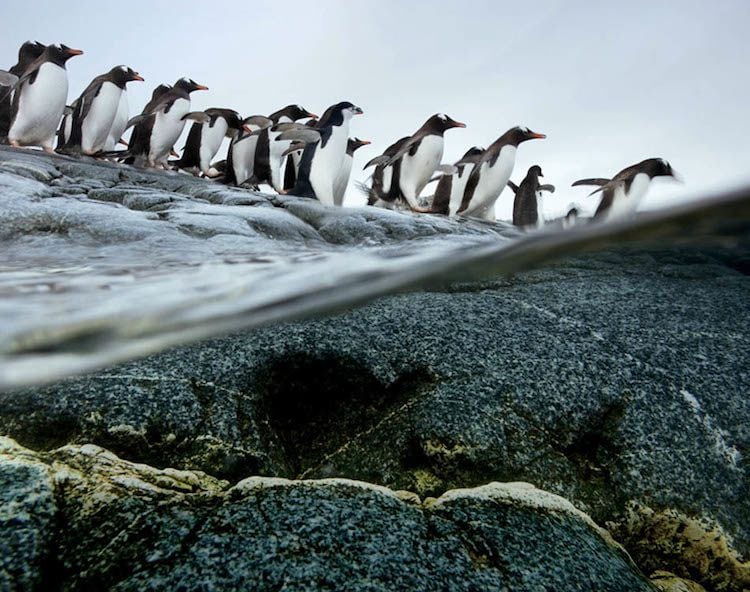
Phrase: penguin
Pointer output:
(342, 178)
(209, 129)
(88, 126)
(492, 172)
(384, 191)
(450, 188)
(322, 157)
(39, 98)
(240, 166)
(268, 159)
(527, 206)
(420, 156)
(161, 123)
(571, 218)
(622, 194)
(27, 53)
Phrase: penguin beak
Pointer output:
(458, 124)
(74, 52)
(537, 136)
(358, 111)
(137, 76)
(201, 87)
(247, 128)
(311, 115)
(364, 142)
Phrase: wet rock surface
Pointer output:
(617, 379)
(122, 526)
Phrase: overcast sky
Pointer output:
(610, 83)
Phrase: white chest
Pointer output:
(625, 204)
(121, 120)
(494, 177)
(167, 128)
(98, 123)
(326, 162)
(417, 169)
(243, 158)
(40, 106)
(211, 138)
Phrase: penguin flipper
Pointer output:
(137, 119)
(8, 79)
(593, 181)
(261, 121)
(404, 149)
(306, 135)
(377, 161)
(548, 187)
(198, 116)
(513, 186)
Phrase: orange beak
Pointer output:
(138, 77)
(538, 136)
(201, 87)
(365, 142)
(459, 124)
(247, 128)
(74, 52)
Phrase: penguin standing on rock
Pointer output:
(240, 165)
(342, 179)
(209, 129)
(27, 53)
(324, 153)
(87, 127)
(420, 156)
(161, 123)
(622, 194)
(492, 173)
(527, 207)
(39, 98)
(268, 152)
(450, 188)
(384, 191)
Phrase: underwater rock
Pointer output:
(124, 526)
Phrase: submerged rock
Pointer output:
(115, 525)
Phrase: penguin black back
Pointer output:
(27, 53)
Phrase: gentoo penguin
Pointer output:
(39, 98)
(492, 172)
(209, 129)
(322, 158)
(240, 166)
(420, 156)
(527, 207)
(119, 124)
(94, 112)
(384, 191)
(622, 194)
(342, 178)
(158, 127)
(27, 53)
(450, 188)
(268, 152)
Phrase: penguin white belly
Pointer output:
(275, 159)
(98, 123)
(326, 163)
(211, 138)
(119, 123)
(40, 107)
(296, 159)
(625, 205)
(387, 178)
(540, 219)
(243, 159)
(492, 181)
(342, 180)
(417, 170)
(458, 185)
(167, 128)
(487, 213)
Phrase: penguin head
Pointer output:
(519, 134)
(296, 112)
(348, 109)
(663, 169)
(440, 122)
(60, 53)
(354, 144)
(120, 75)
(535, 170)
(189, 85)
(29, 51)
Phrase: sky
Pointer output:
(610, 83)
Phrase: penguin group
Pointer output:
(292, 150)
